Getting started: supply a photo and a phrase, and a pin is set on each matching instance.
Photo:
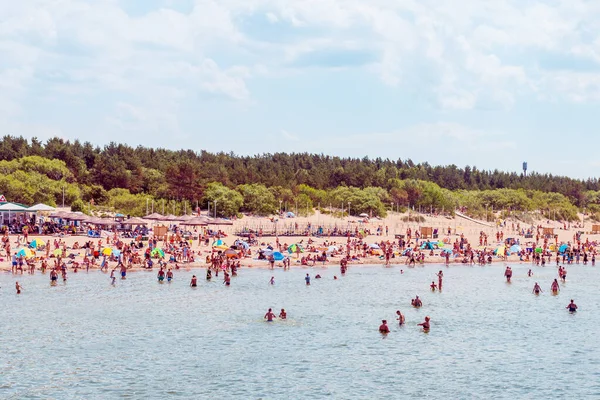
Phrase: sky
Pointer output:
(470, 82)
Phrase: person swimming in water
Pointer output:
(282, 314)
(194, 281)
(433, 286)
(536, 288)
(383, 328)
(572, 307)
(554, 287)
(425, 325)
(416, 302)
(269, 315)
(400, 318)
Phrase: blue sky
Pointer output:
(490, 84)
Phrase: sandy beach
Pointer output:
(375, 231)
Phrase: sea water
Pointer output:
(140, 339)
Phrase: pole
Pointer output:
(147, 201)
(349, 209)
(63, 203)
(215, 205)
(152, 206)
(163, 209)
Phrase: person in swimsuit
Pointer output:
(307, 279)
(529, 273)
(400, 318)
(272, 281)
(161, 275)
(282, 314)
(536, 288)
(572, 307)
(226, 279)
(555, 288)
(169, 275)
(440, 276)
(53, 276)
(416, 302)
(123, 272)
(425, 325)
(508, 274)
(433, 286)
(194, 281)
(18, 287)
(383, 328)
(208, 274)
(269, 315)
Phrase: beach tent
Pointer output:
(41, 207)
(294, 248)
(427, 246)
(515, 248)
(157, 252)
(35, 243)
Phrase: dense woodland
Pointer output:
(125, 179)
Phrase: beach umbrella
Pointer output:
(538, 250)
(427, 245)
(116, 252)
(563, 248)
(107, 251)
(277, 256)
(27, 253)
(406, 252)
(500, 251)
(440, 244)
(446, 251)
(154, 216)
(364, 215)
(57, 252)
(231, 253)
(219, 242)
(35, 243)
(374, 246)
(331, 249)
(243, 244)
(157, 252)
(134, 221)
(266, 252)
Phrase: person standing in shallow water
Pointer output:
(400, 318)
(269, 316)
(440, 276)
(508, 274)
(307, 279)
(572, 307)
(18, 287)
(383, 328)
(425, 325)
(194, 281)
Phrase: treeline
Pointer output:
(118, 175)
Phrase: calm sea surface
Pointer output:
(145, 340)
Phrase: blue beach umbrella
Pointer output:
(277, 256)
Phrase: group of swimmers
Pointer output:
(384, 328)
